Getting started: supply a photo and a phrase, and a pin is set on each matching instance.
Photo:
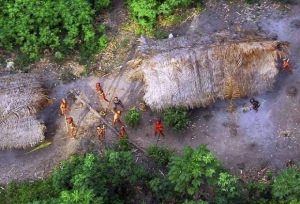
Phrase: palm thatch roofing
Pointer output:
(194, 71)
(21, 98)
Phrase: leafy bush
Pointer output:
(163, 189)
(195, 168)
(124, 144)
(99, 5)
(177, 118)
(133, 117)
(168, 6)
(259, 193)
(80, 196)
(61, 25)
(286, 186)
(145, 12)
(228, 189)
(29, 191)
(2, 195)
(160, 155)
(107, 179)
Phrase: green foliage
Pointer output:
(286, 186)
(99, 5)
(81, 196)
(106, 179)
(92, 46)
(168, 6)
(160, 155)
(29, 191)
(177, 118)
(23, 61)
(124, 144)
(228, 189)
(193, 169)
(171, 20)
(33, 26)
(2, 195)
(133, 117)
(163, 189)
(145, 12)
(259, 193)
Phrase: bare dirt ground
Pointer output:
(238, 139)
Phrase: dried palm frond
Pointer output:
(192, 70)
(21, 98)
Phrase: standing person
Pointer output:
(101, 93)
(158, 128)
(117, 102)
(286, 65)
(64, 108)
(100, 132)
(71, 122)
(255, 104)
(117, 115)
(123, 132)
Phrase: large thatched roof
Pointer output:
(21, 98)
(194, 71)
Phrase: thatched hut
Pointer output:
(196, 70)
(21, 98)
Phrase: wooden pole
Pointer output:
(104, 120)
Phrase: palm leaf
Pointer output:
(41, 146)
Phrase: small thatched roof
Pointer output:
(193, 70)
(21, 98)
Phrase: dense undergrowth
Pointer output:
(34, 27)
(195, 176)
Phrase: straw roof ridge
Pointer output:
(150, 45)
(192, 71)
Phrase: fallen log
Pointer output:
(103, 119)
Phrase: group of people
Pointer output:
(64, 109)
